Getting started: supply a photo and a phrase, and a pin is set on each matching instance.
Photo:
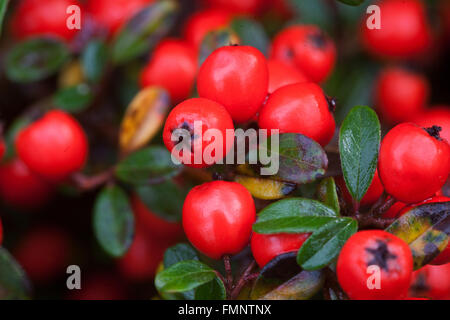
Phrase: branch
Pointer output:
(87, 183)
(245, 277)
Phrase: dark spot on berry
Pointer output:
(420, 285)
(289, 53)
(380, 255)
(331, 103)
(434, 132)
(318, 40)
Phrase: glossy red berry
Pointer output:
(209, 115)
(372, 195)
(282, 74)
(375, 248)
(404, 30)
(155, 226)
(31, 19)
(113, 14)
(265, 247)
(201, 23)
(307, 48)
(439, 116)
(216, 229)
(432, 282)
(172, 59)
(21, 188)
(54, 146)
(413, 163)
(2, 149)
(236, 77)
(401, 95)
(299, 108)
(44, 253)
(238, 6)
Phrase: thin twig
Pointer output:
(228, 272)
(245, 277)
(367, 220)
(87, 183)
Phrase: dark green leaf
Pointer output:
(144, 30)
(251, 33)
(3, 8)
(184, 276)
(35, 59)
(359, 143)
(352, 2)
(325, 244)
(149, 165)
(113, 221)
(10, 136)
(94, 59)
(73, 99)
(14, 283)
(327, 194)
(294, 215)
(313, 12)
(178, 253)
(213, 290)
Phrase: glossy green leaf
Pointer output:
(325, 244)
(150, 165)
(327, 193)
(251, 33)
(426, 228)
(14, 283)
(213, 290)
(359, 144)
(94, 59)
(35, 59)
(73, 99)
(3, 8)
(184, 276)
(294, 215)
(177, 253)
(144, 30)
(113, 221)
(352, 2)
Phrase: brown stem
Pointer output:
(87, 183)
(356, 206)
(370, 221)
(228, 272)
(245, 277)
(384, 207)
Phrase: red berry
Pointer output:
(439, 116)
(2, 149)
(54, 146)
(379, 248)
(236, 77)
(299, 108)
(443, 257)
(218, 218)
(307, 48)
(404, 30)
(172, 59)
(113, 14)
(394, 210)
(372, 195)
(32, 18)
(432, 282)
(413, 162)
(99, 287)
(44, 253)
(282, 74)
(156, 227)
(401, 95)
(22, 188)
(201, 23)
(238, 6)
(265, 247)
(210, 115)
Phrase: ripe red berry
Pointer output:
(432, 282)
(201, 23)
(375, 248)
(372, 195)
(54, 146)
(307, 48)
(113, 14)
(400, 95)
(172, 59)
(265, 247)
(218, 218)
(404, 30)
(236, 77)
(21, 188)
(413, 163)
(31, 19)
(439, 116)
(156, 227)
(299, 108)
(282, 74)
(238, 6)
(44, 253)
(209, 115)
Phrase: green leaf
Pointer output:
(300, 159)
(294, 215)
(313, 12)
(359, 144)
(352, 2)
(184, 276)
(14, 283)
(73, 99)
(327, 194)
(113, 221)
(426, 229)
(10, 137)
(325, 244)
(213, 290)
(94, 59)
(177, 253)
(3, 8)
(251, 33)
(35, 59)
(144, 30)
(149, 165)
